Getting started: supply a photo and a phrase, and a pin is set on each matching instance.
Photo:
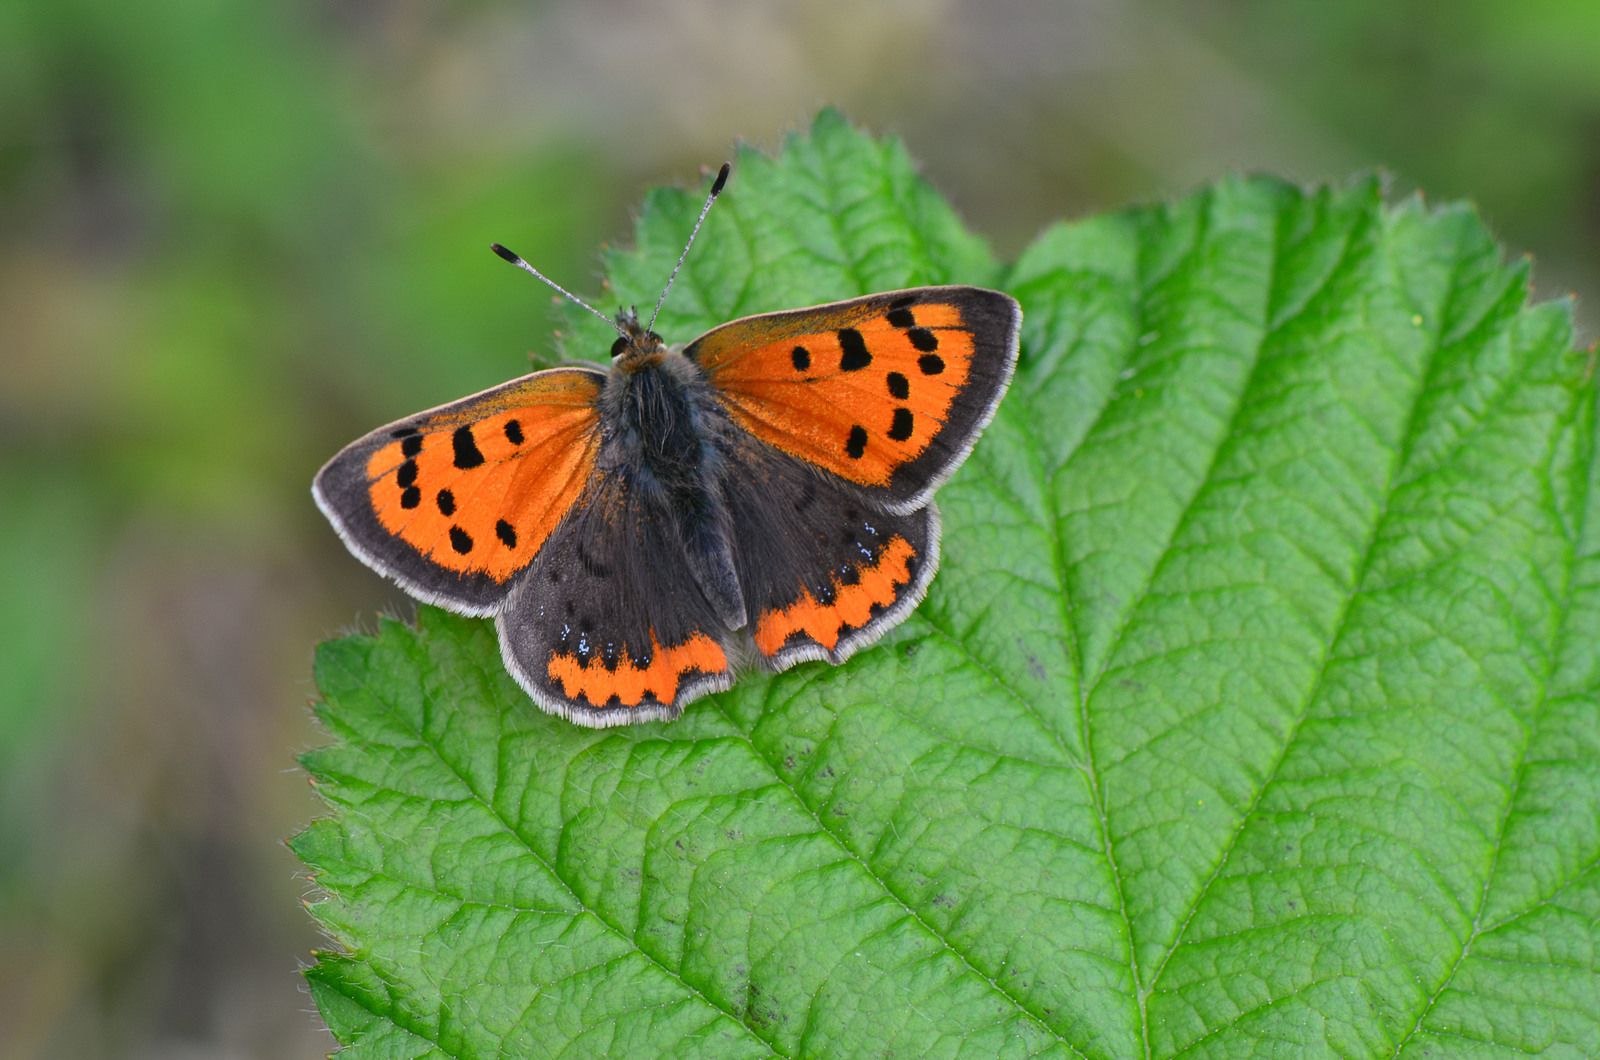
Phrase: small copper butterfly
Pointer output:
(631, 530)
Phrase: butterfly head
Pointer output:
(635, 342)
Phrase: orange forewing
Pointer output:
(859, 389)
(480, 486)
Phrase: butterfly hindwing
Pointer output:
(609, 626)
(824, 570)
(887, 392)
(454, 502)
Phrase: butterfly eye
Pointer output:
(618, 346)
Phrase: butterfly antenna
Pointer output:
(516, 260)
(716, 189)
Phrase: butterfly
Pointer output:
(764, 492)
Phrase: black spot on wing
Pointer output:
(900, 429)
(513, 432)
(923, 339)
(410, 497)
(460, 540)
(446, 502)
(407, 475)
(899, 386)
(593, 567)
(412, 445)
(466, 447)
(853, 353)
(506, 533)
(403, 432)
(801, 358)
(902, 318)
(930, 363)
(856, 444)
(808, 495)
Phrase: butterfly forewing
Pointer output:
(454, 502)
(888, 392)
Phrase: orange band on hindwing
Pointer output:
(852, 606)
(628, 681)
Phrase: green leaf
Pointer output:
(1256, 708)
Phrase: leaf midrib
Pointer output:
(882, 883)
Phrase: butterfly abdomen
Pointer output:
(661, 425)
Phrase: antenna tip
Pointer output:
(722, 178)
(504, 253)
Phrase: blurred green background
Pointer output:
(236, 235)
